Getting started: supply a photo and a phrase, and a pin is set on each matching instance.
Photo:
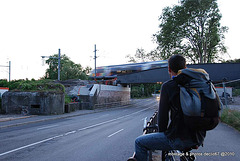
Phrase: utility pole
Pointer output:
(59, 61)
(95, 58)
(9, 69)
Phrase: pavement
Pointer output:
(10, 120)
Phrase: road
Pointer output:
(103, 136)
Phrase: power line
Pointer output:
(59, 62)
(9, 69)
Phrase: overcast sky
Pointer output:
(30, 29)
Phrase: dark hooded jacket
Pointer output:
(170, 115)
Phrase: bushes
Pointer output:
(139, 91)
(32, 85)
(144, 90)
(236, 92)
(67, 99)
(4, 83)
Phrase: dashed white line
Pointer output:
(29, 145)
(46, 127)
(71, 132)
(115, 133)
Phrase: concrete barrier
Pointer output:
(71, 107)
(34, 103)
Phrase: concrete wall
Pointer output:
(106, 95)
(33, 103)
(113, 96)
(71, 107)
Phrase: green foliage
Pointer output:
(231, 117)
(136, 92)
(192, 29)
(3, 83)
(67, 99)
(236, 92)
(232, 61)
(68, 69)
(11, 85)
(33, 85)
(143, 90)
(236, 87)
(26, 86)
(140, 56)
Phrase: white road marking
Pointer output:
(115, 133)
(46, 127)
(71, 132)
(29, 145)
(101, 123)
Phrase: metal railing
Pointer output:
(149, 127)
(229, 93)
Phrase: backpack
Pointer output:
(200, 102)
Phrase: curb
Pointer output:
(15, 118)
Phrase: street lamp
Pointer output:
(59, 58)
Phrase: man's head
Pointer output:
(175, 63)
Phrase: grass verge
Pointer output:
(231, 117)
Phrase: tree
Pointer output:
(140, 56)
(69, 70)
(87, 70)
(232, 61)
(192, 29)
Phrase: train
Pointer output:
(112, 71)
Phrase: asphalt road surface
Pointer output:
(103, 136)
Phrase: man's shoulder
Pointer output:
(170, 82)
(170, 86)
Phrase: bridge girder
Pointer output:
(218, 72)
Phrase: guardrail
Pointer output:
(149, 127)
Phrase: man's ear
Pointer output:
(169, 70)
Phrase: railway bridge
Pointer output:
(218, 72)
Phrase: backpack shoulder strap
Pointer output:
(182, 79)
